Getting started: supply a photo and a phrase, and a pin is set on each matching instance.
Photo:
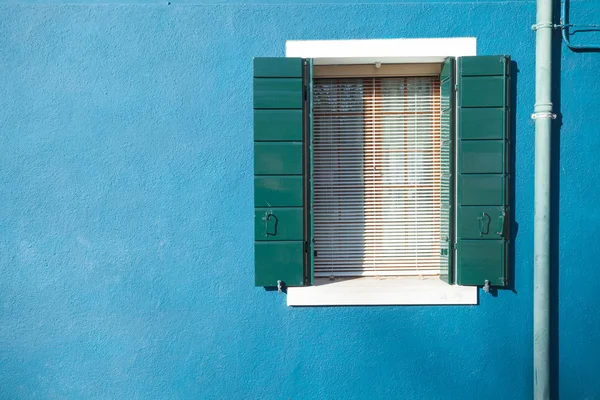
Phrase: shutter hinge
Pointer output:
(486, 286)
(306, 246)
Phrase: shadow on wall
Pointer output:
(555, 206)
(514, 78)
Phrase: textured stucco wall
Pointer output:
(126, 236)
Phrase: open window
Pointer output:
(377, 207)
(381, 169)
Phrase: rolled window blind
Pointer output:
(377, 176)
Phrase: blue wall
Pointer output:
(126, 236)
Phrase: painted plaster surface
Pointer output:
(126, 225)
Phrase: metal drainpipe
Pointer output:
(541, 272)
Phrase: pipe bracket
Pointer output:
(540, 115)
(543, 25)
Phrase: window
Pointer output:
(376, 176)
(392, 171)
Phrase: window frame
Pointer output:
(370, 290)
(398, 153)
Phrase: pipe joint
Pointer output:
(543, 107)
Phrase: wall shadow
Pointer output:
(557, 46)
(514, 226)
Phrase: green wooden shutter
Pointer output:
(446, 168)
(482, 218)
(279, 194)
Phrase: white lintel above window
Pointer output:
(386, 51)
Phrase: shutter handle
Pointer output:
(484, 224)
(268, 216)
(501, 224)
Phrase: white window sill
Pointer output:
(371, 291)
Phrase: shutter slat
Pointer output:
(376, 176)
